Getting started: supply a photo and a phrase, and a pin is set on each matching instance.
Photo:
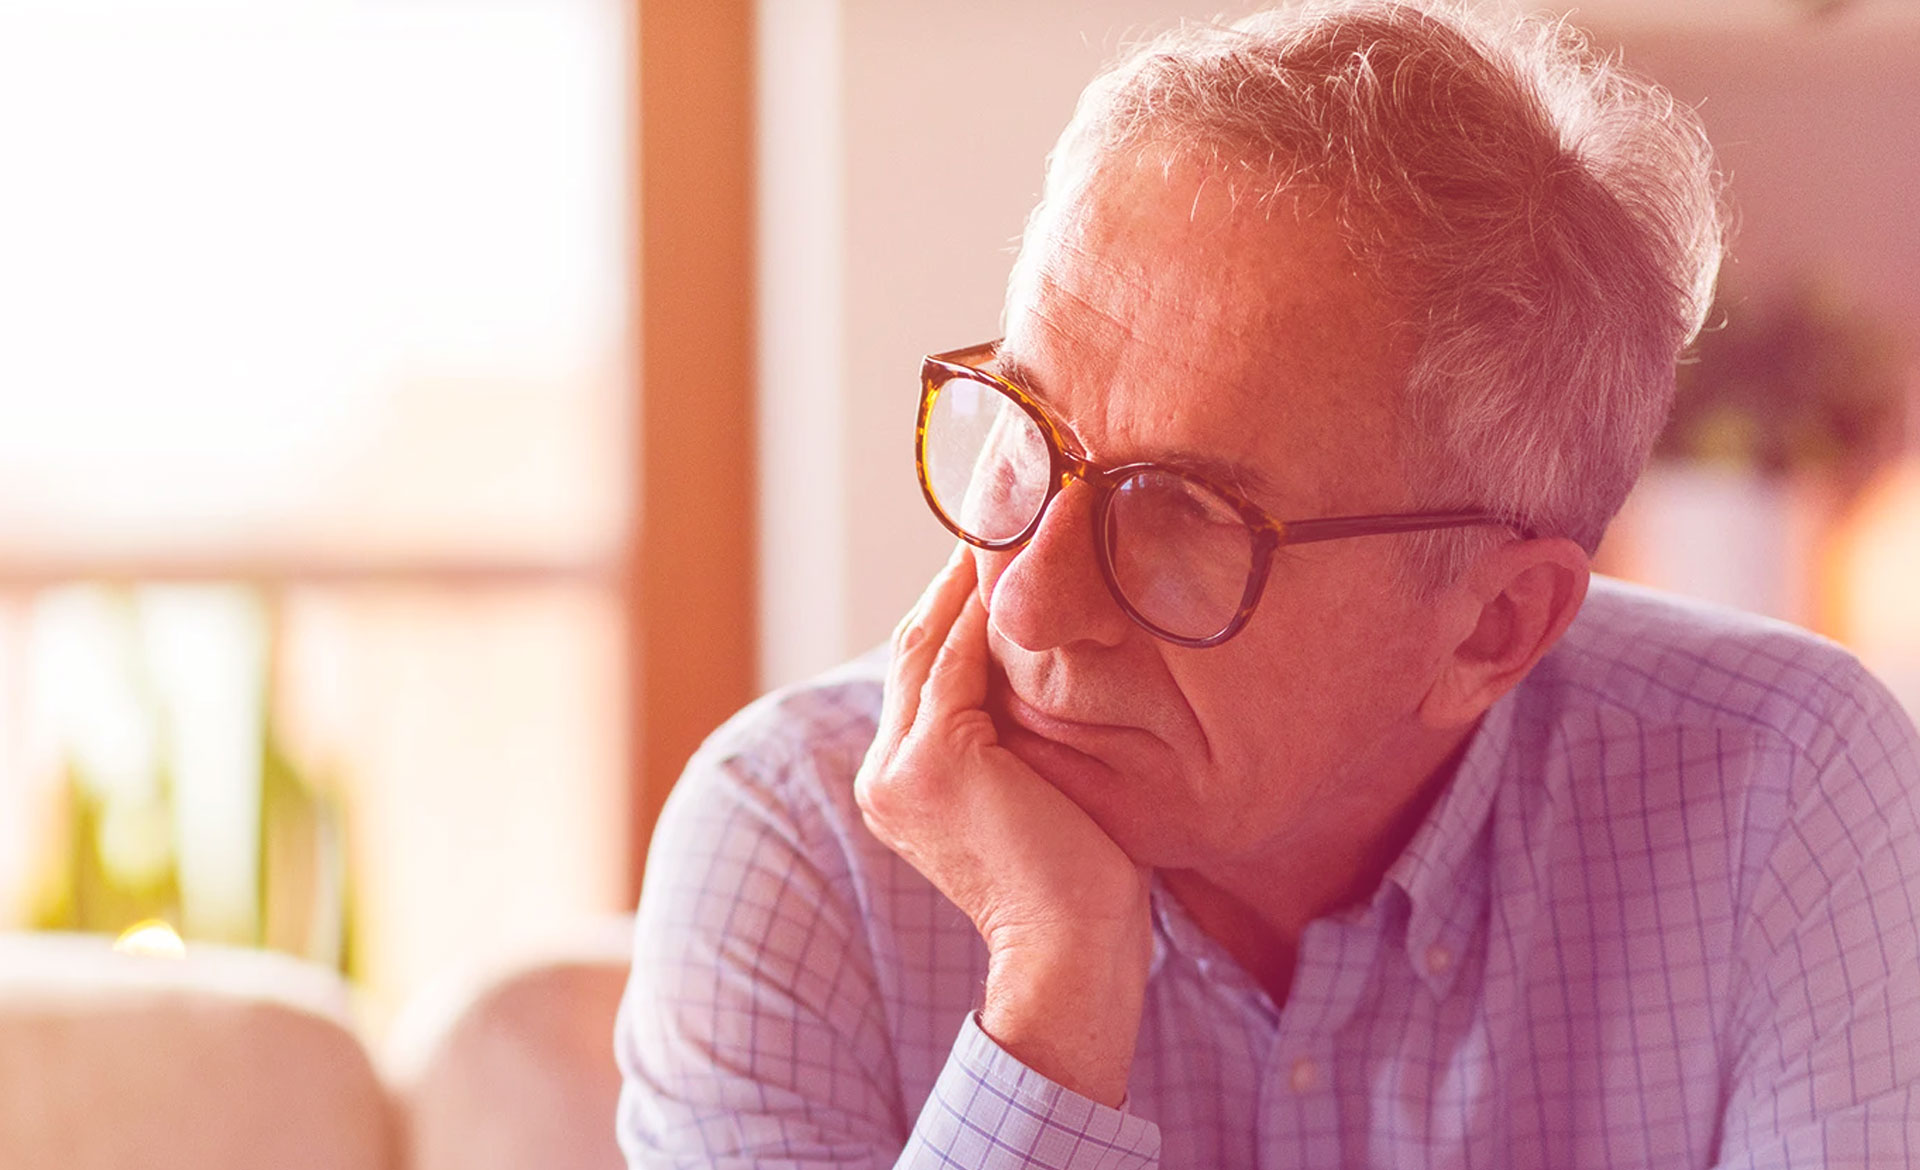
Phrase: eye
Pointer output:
(1180, 553)
(1163, 502)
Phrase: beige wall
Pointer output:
(901, 146)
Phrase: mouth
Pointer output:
(1031, 718)
(1065, 751)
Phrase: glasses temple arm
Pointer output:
(1340, 527)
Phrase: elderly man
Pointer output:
(1262, 783)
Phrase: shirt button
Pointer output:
(1305, 1075)
(1439, 959)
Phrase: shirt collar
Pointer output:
(1175, 932)
(1443, 871)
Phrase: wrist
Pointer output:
(1070, 1009)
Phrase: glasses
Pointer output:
(1185, 558)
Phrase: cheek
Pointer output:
(1314, 677)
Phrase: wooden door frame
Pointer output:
(690, 562)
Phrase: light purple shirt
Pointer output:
(1665, 915)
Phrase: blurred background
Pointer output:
(421, 421)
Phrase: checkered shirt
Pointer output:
(1666, 914)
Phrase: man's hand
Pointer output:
(1062, 910)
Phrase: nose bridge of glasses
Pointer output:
(1074, 466)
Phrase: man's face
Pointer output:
(1160, 322)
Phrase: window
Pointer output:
(314, 419)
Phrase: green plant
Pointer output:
(116, 847)
(1801, 381)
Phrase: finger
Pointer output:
(919, 638)
(914, 620)
(958, 678)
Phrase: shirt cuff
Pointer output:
(989, 1110)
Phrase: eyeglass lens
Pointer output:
(987, 460)
(1179, 554)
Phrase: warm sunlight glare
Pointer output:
(269, 263)
(152, 939)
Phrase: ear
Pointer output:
(1504, 615)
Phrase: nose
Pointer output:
(1051, 592)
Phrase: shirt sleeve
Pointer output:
(1826, 1060)
(754, 1031)
(991, 1111)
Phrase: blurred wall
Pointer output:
(902, 143)
(1817, 126)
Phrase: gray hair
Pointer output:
(1554, 221)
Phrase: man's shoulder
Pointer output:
(1673, 660)
(789, 757)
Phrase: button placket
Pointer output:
(1299, 1122)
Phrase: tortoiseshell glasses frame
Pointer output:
(1266, 532)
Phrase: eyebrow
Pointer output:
(1250, 482)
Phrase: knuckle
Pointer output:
(898, 781)
(946, 662)
(909, 633)
(873, 815)
(876, 790)
(869, 803)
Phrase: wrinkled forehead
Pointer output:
(1250, 316)
(1241, 248)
